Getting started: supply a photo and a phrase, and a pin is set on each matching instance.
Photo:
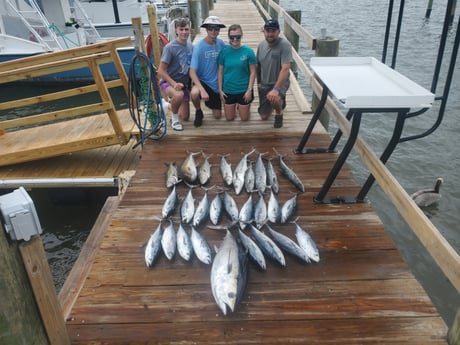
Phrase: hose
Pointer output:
(145, 101)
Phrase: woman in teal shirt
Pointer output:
(237, 74)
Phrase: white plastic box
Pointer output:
(19, 215)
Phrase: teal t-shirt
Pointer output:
(236, 64)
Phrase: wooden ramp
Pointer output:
(361, 291)
(70, 129)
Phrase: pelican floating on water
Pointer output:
(427, 197)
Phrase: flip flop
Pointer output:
(176, 125)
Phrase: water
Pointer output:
(360, 28)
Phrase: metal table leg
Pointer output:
(321, 197)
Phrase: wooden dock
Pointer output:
(361, 291)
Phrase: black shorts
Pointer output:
(214, 101)
(238, 98)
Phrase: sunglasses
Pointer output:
(234, 37)
(213, 28)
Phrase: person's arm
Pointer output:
(220, 80)
(282, 76)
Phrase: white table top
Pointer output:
(365, 82)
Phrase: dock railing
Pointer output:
(91, 57)
(438, 247)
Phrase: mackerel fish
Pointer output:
(267, 245)
(249, 179)
(170, 203)
(288, 209)
(288, 245)
(204, 170)
(172, 175)
(228, 274)
(187, 208)
(168, 241)
(255, 253)
(184, 243)
(153, 246)
(306, 243)
(260, 174)
(290, 174)
(215, 209)
(226, 171)
(201, 247)
(188, 169)
(239, 173)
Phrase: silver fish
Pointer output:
(228, 274)
(288, 209)
(187, 208)
(170, 204)
(272, 178)
(287, 244)
(245, 215)
(253, 250)
(184, 243)
(215, 209)
(153, 246)
(240, 171)
(260, 211)
(172, 175)
(201, 247)
(249, 179)
(267, 245)
(290, 174)
(202, 211)
(188, 168)
(204, 170)
(226, 171)
(230, 207)
(306, 243)
(260, 174)
(168, 241)
(273, 208)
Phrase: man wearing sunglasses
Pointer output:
(274, 58)
(203, 70)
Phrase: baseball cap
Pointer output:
(212, 20)
(272, 24)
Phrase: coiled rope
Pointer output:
(145, 101)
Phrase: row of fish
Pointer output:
(257, 211)
(229, 266)
(252, 176)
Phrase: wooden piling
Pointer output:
(20, 320)
(195, 16)
(204, 9)
(152, 15)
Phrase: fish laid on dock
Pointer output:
(272, 178)
(306, 243)
(169, 241)
(202, 211)
(170, 203)
(187, 209)
(153, 246)
(254, 252)
(240, 172)
(188, 169)
(184, 243)
(228, 274)
(172, 175)
(267, 245)
(226, 171)
(288, 209)
(215, 209)
(287, 244)
(204, 170)
(290, 174)
(201, 247)
(260, 174)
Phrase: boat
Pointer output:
(112, 17)
(31, 27)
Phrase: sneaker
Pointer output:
(176, 125)
(278, 121)
(198, 118)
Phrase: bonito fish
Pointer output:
(253, 250)
(260, 174)
(240, 172)
(187, 208)
(172, 175)
(288, 209)
(204, 170)
(170, 203)
(228, 274)
(202, 211)
(287, 244)
(273, 208)
(231, 207)
(245, 215)
(306, 243)
(201, 247)
(226, 171)
(153, 246)
(215, 209)
(290, 174)
(260, 211)
(249, 179)
(272, 178)
(184, 243)
(168, 241)
(189, 169)
(268, 246)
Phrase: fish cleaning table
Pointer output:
(362, 85)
